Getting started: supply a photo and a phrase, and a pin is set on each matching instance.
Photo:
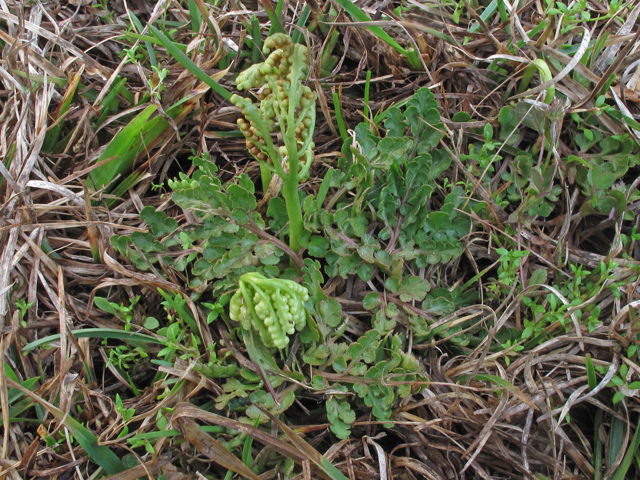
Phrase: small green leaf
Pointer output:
(316, 356)
(318, 246)
(371, 301)
(159, 223)
(488, 132)
(151, 323)
(392, 284)
(241, 198)
(339, 364)
(395, 147)
(414, 289)
(330, 312)
(186, 62)
(366, 346)
(340, 416)
(394, 122)
(538, 277)
(106, 306)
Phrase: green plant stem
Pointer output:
(287, 118)
(294, 209)
(265, 176)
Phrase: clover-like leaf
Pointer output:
(365, 348)
(613, 200)
(599, 178)
(413, 289)
(159, 223)
(371, 301)
(145, 242)
(313, 280)
(330, 312)
(394, 148)
(318, 246)
(433, 252)
(268, 253)
(394, 122)
(120, 243)
(508, 124)
(263, 399)
(241, 198)
(423, 117)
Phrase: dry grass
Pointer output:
(55, 252)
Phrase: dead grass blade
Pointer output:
(311, 453)
(299, 450)
(212, 448)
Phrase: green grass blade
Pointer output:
(100, 454)
(274, 17)
(616, 437)
(296, 36)
(152, 40)
(367, 87)
(495, 379)
(324, 187)
(123, 187)
(196, 17)
(179, 305)
(187, 63)
(14, 394)
(173, 433)
(355, 11)
(591, 372)
(17, 408)
(509, 386)
(53, 135)
(94, 333)
(148, 44)
(247, 458)
(621, 472)
(341, 125)
(484, 16)
(110, 103)
(256, 40)
(502, 9)
(151, 131)
(204, 15)
(61, 82)
(123, 148)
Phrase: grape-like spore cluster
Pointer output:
(272, 307)
(285, 104)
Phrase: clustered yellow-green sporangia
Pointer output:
(271, 306)
(284, 102)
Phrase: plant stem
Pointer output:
(265, 176)
(294, 210)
